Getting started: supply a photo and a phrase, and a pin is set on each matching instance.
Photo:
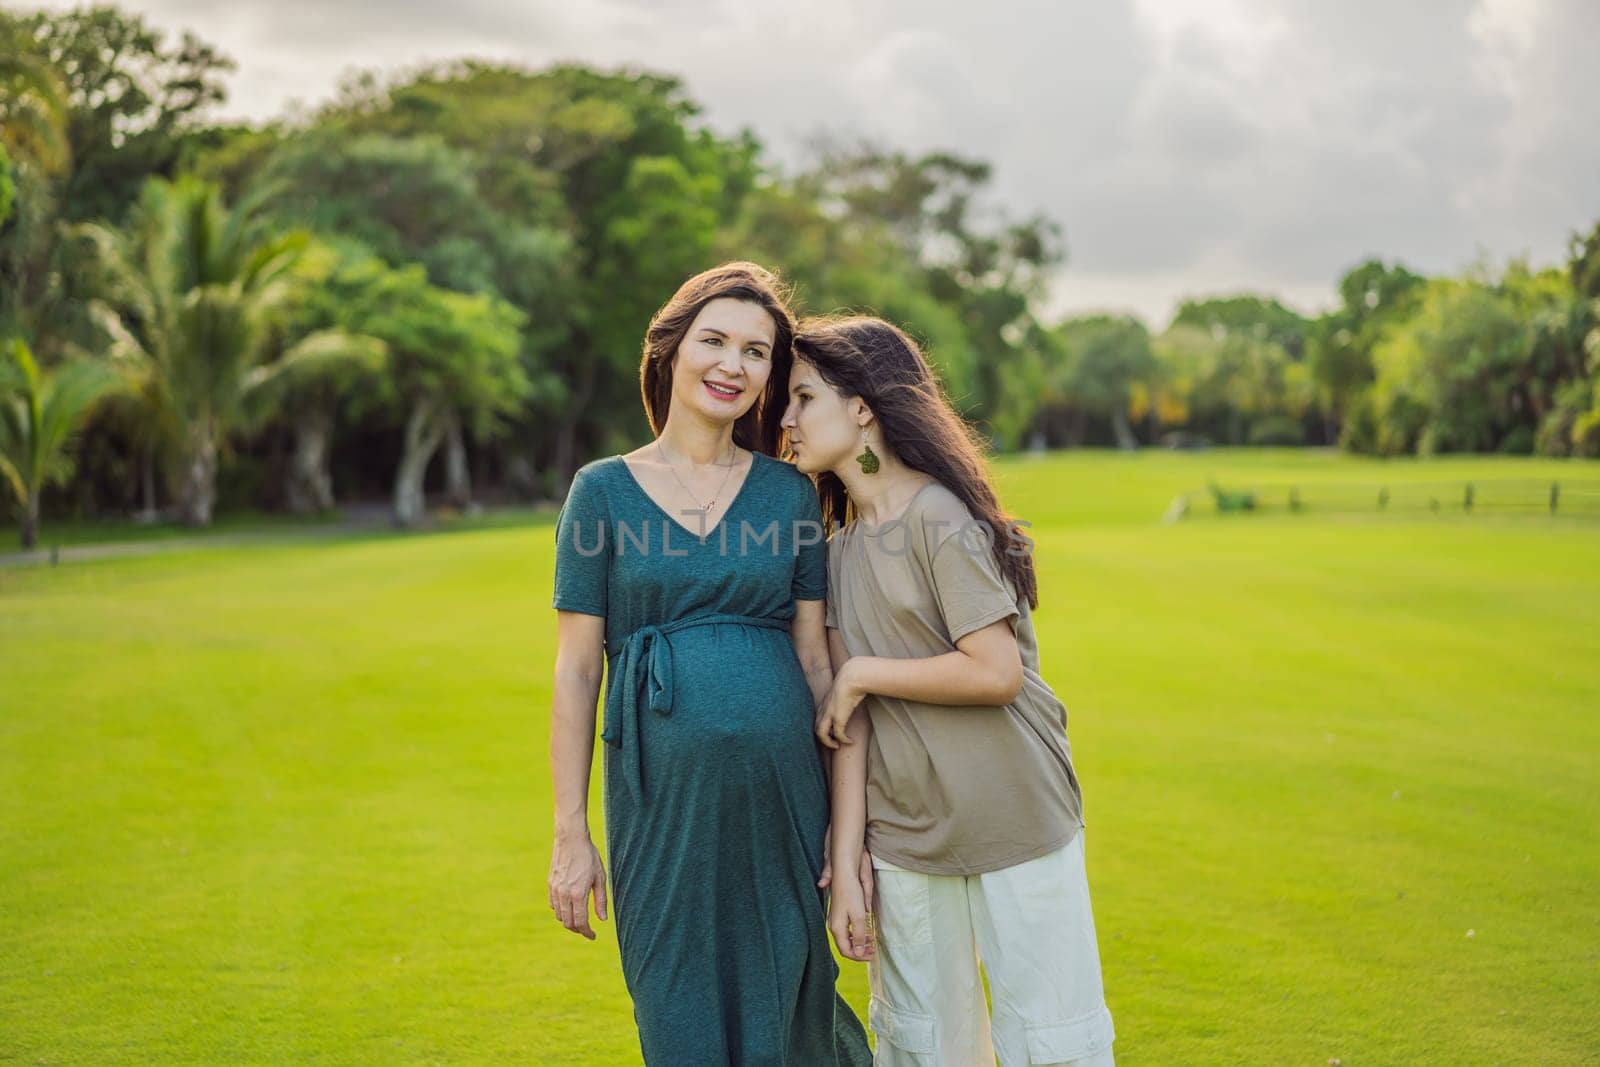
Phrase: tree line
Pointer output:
(439, 281)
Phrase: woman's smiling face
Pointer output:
(824, 427)
(725, 359)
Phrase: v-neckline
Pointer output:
(755, 458)
(874, 531)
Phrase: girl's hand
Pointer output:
(575, 872)
(867, 884)
(850, 921)
(837, 707)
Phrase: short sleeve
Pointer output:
(583, 550)
(970, 587)
(811, 549)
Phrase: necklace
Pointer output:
(706, 507)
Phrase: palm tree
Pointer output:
(33, 110)
(34, 117)
(194, 288)
(324, 368)
(38, 413)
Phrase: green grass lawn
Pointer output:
(292, 803)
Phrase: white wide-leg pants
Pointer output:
(1032, 928)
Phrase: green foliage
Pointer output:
(38, 414)
(8, 187)
(1583, 263)
(1258, 317)
(1094, 364)
(593, 194)
(503, 235)
(1572, 427)
(190, 289)
(1217, 381)
(33, 101)
(1478, 361)
(1276, 430)
(456, 349)
(1373, 295)
(131, 99)
(409, 201)
(1105, 355)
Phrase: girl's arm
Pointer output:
(575, 866)
(851, 903)
(985, 670)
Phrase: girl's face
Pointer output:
(725, 359)
(824, 427)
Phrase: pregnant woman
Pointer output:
(694, 567)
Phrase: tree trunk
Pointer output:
(457, 479)
(147, 486)
(310, 488)
(30, 520)
(566, 459)
(197, 483)
(424, 430)
(1077, 427)
(1119, 424)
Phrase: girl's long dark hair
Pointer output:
(757, 429)
(875, 360)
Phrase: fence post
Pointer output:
(1466, 501)
(1294, 498)
(1383, 497)
(1555, 495)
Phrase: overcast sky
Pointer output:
(1186, 147)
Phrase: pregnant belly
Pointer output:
(738, 694)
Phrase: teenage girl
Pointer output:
(951, 764)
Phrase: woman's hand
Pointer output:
(837, 707)
(850, 921)
(575, 872)
(827, 859)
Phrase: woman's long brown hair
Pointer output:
(875, 360)
(757, 429)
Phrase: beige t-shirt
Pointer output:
(950, 790)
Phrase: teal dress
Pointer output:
(715, 799)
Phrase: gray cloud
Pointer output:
(1206, 146)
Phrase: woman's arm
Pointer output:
(575, 867)
(811, 646)
(985, 670)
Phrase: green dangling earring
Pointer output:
(868, 458)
